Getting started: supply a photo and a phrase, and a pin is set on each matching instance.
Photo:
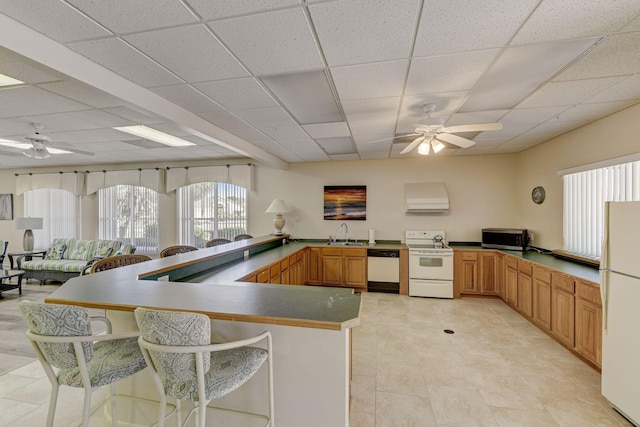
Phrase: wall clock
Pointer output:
(538, 194)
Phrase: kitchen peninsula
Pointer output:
(310, 327)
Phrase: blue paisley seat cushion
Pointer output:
(225, 371)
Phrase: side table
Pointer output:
(8, 274)
(28, 256)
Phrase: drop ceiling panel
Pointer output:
(13, 65)
(340, 145)
(82, 136)
(133, 115)
(208, 9)
(489, 116)
(441, 21)
(122, 59)
(354, 32)
(327, 130)
(379, 80)
(271, 42)
(593, 111)
(30, 100)
(188, 98)
(448, 73)
(191, 52)
(532, 115)
(284, 134)
(567, 19)
(371, 109)
(617, 55)
(67, 26)
(629, 88)
(568, 92)
(82, 93)
(225, 120)
(262, 117)
(238, 94)
(133, 16)
(344, 157)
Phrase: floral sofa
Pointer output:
(67, 258)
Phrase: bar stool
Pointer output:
(217, 242)
(185, 365)
(61, 337)
(177, 249)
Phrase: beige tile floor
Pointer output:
(495, 370)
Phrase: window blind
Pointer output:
(60, 213)
(584, 196)
(209, 210)
(129, 214)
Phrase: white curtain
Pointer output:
(69, 181)
(584, 197)
(241, 175)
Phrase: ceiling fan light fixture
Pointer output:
(37, 153)
(437, 146)
(424, 148)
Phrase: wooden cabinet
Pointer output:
(511, 280)
(344, 267)
(313, 272)
(541, 297)
(588, 321)
(465, 272)
(562, 308)
(263, 275)
(489, 273)
(525, 288)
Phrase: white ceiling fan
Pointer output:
(38, 146)
(432, 133)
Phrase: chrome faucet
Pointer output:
(346, 231)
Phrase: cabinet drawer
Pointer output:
(524, 267)
(332, 251)
(263, 276)
(511, 262)
(562, 281)
(275, 269)
(469, 256)
(542, 274)
(284, 264)
(587, 291)
(354, 252)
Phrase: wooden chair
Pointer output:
(243, 237)
(178, 249)
(216, 242)
(117, 261)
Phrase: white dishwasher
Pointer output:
(383, 270)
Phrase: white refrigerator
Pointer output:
(620, 291)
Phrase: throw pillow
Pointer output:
(102, 252)
(55, 251)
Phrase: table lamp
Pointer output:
(28, 224)
(278, 207)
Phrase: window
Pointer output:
(584, 196)
(129, 214)
(60, 213)
(209, 210)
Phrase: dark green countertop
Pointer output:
(572, 268)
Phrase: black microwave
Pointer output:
(516, 239)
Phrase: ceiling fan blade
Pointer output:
(69, 148)
(455, 140)
(393, 137)
(413, 145)
(478, 127)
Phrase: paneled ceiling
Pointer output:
(282, 81)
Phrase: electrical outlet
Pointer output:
(246, 254)
(531, 239)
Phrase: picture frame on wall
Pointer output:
(345, 202)
(6, 206)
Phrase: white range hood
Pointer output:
(426, 197)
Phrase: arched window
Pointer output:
(60, 213)
(208, 210)
(129, 214)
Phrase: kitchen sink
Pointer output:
(345, 244)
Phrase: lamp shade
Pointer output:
(277, 206)
(28, 223)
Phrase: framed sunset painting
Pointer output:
(345, 202)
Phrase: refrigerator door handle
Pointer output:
(604, 296)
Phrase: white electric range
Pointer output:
(430, 264)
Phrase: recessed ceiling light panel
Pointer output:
(154, 135)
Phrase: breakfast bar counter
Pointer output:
(310, 328)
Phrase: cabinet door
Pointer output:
(466, 271)
(489, 273)
(562, 315)
(312, 264)
(589, 330)
(332, 270)
(511, 286)
(263, 275)
(355, 271)
(524, 294)
(274, 273)
(542, 303)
